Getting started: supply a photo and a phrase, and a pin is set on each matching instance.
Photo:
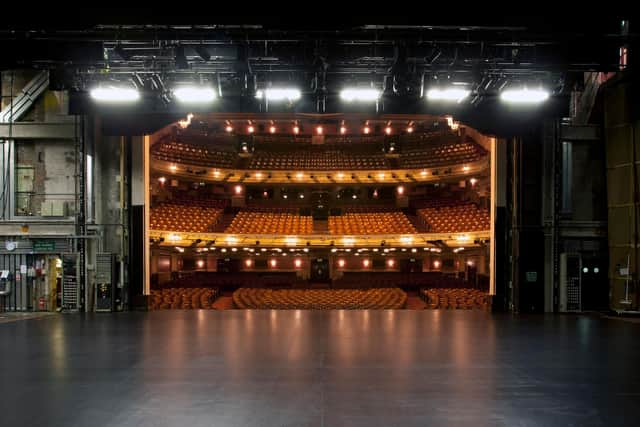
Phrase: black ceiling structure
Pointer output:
(401, 60)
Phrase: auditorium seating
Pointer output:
(387, 279)
(232, 281)
(184, 218)
(456, 298)
(193, 154)
(371, 223)
(455, 219)
(183, 298)
(319, 299)
(308, 157)
(250, 222)
(440, 152)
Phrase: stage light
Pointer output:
(202, 51)
(279, 94)
(448, 94)
(359, 94)
(524, 96)
(194, 94)
(114, 94)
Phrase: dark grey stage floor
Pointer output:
(299, 368)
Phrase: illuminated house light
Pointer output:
(231, 240)
(174, 237)
(173, 168)
(341, 263)
(279, 94)
(359, 94)
(391, 263)
(296, 130)
(115, 94)
(319, 130)
(238, 189)
(248, 262)
(272, 129)
(273, 263)
(229, 128)
(524, 96)
(453, 94)
(366, 130)
(162, 180)
(250, 129)
(343, 130)
(387, 130)
(297, 263)
(195, 95)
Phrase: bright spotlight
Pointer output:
(448, 94)
(359, 94)
(193, 94)
(524, 96)
(279, 94)
(115, 94)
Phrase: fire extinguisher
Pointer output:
(41, 304)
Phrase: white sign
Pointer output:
(23, 269)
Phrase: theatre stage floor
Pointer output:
(304, 368)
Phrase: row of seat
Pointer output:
(184, 218)
(456, 298)
(201, 155)
(432, 152)
(270, 223)
(434, 155)
(397, 279)
(183, 298)
(319, 299)
(371, 223)
(316, 160)
(455, 219)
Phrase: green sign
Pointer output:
(532, 276)
(44, 245)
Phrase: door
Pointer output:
(320, 270)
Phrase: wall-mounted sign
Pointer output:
(44, 245)
(532, 276)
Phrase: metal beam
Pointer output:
(24, 100)
(26, 130)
